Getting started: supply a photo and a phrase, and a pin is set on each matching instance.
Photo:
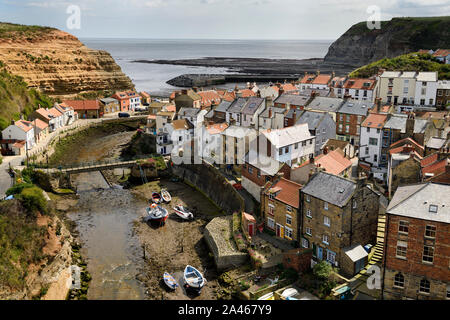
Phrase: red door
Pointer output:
(250, 229)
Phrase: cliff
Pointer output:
(56, 62)
(360, 45)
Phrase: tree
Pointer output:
(322, 270)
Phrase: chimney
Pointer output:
(184, 91)
(281, 91)
(269, 102)
(333, 74)
(325, 150)
(318, 72)
(410, 125)
(13, 122)
(270, 112)
(347, 96)
(248, 85)
(195, 89)
(377, 105)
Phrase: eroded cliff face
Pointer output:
(58, 64)
(360, 45)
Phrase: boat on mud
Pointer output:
(170, 281)
(183, 213)
(156, 198)
(156, 213)
(166, 195)
(268, 296)
(193, 278)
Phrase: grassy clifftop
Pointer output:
(16, 98)
(406, 62)
(13, 31)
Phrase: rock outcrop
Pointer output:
(360, 45)
(58, 64)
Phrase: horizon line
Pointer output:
(228, 39)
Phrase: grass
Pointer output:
(14, 31)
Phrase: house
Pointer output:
(54, 119)
(69, 114)
(145, 97)
(250, 112)
(360, 89)
(404, 159)
(443, 55)
(86, 109)
(17, 132)
(435, 144)
(163, 118)
(306, 81)
(416, 239)
(286, 87)
(135, 100)
(320, 125)
(443, 94)
(337, 214)
(291, 101)
(124, 100)
(333, 162)
(345, 146)
(269, 91)
(272, 118)
(219, 113)
(194, 115)
(371, 144)
(236, 143)
(41, 129)
(259, 169)
(321, 81)
(325, 104)
(292, 145)
(281, 209)
(209, 99)
(212, 142)
(176, 139)
(436, 167)
(109, 105)
(337, 86)
(349, 118)
(234, 112)
(426, 88)
(187, 99)
(290, 117)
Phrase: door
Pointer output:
(319, 253)
(280, 231)
(250, 229)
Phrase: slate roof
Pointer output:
(267, 165)
(265, 113)
(397, 122)
(312, 118)
(420, 125)
(414, 201)
(356, 107)
(330, 188)
(188, 112)
(436, 143)
(252, 105)
(287, 136)
(356, 252)
(109, 100)
(292, 99)
(239, 132)
(182, 124)
(325, 104)
(237, 105)
(223, 106)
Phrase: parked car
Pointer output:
(124, 115)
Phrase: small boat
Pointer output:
(156, 213)
(193, 278)
(268, 296)
(156, 197)
(289, 293)
(183, 213)
(166, 196)
(170, 281)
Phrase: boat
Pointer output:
(290, 293)
(268, 296)
(170, 281)
(166, 196)
(156, 197)
(193, 278)
(156, 213)
(183, 213)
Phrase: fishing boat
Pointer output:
(156, 213)
(193, 278)
(156, 197)
(268, 296)
(166, 196)
(170, 281)
(183, 213)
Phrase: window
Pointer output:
(308, 231)
(326, 221)
(258, 173)
(373, 141)
(367, 150)
(308, 199)
(250, 170)
(270, 223)
(286, 150)
(405, 90)
(325, 205)
(305, 243)
(347, 128)
(324, 130)
(288, 208)
(311, 141)
(399, 281)
(402, 248)
(448, 291)
(341, 117)
(368, 129)
(309, 213)
(271, 207)
(288, 233)
(340, 127)
(325, 239)
(359, 119)
(424, 286)
(433, 208)
(281, 152)
(348, 118)
(288, 220)
(331, 257)
(431, 102)
(430, 232)
(303, 143)
(296, 146)
(271, 196)
(428, 253)
(403, 227)
(375, 158)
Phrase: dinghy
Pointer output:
(183, 213)
(170, 281)
(166, 196)
(156, 213)
(156, 197)
(268, 296)
(193, 278)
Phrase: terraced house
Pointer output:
(280, 203)
(339, 217)
(417, 239)
(349, 118)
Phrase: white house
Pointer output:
(251, 111)
(20, 130)
(234, 112)
(291, 145)
(426, 88)
(237, 142)
(67, 112)
(211, 142)
(174, 138)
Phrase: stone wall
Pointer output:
(298, 259)
(209, 180)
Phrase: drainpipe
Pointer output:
(386, 234)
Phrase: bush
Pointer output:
(322, 270)
(33, 200)
(18, 188)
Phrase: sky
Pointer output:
(212, 19)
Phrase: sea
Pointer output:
(153, 77)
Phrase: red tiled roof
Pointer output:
(152, 117)
(429, 159)
(247, 93)
(333, 162)
(40, 124)
(83, 104)
(145, 94)
(217, 128)
(171, 108)
(19, 144)
(356, 83)
(374, 120)
(322, 79)
(437, 167)
(308, 78)
(43, 112)
(55, 112)
(407, 141)
(24, 125)
(210, 97)
(441, 53)
(289, 87)
(289, 193)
